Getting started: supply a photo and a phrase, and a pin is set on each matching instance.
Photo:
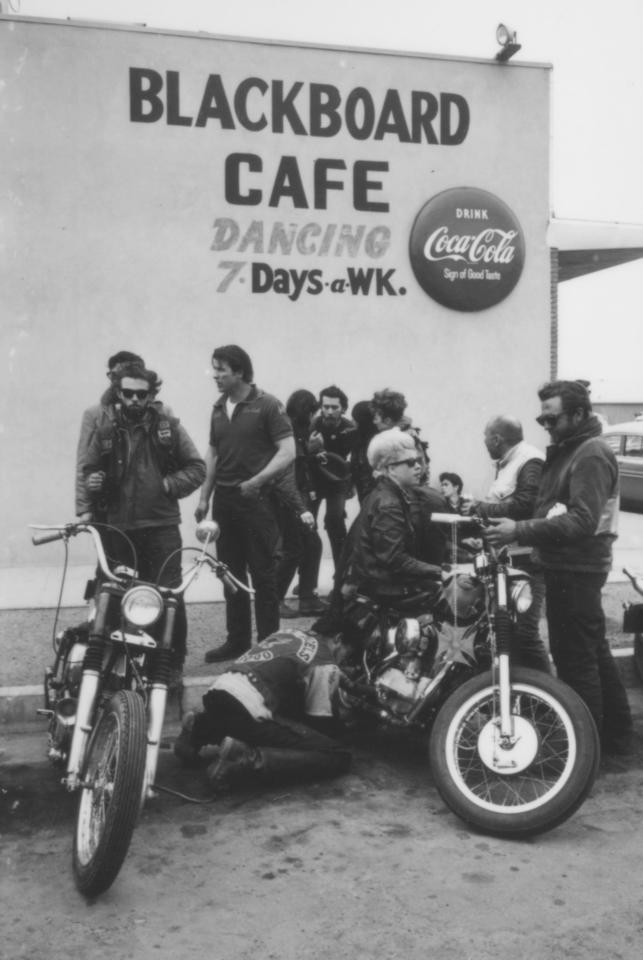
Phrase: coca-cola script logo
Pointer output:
(467, 249)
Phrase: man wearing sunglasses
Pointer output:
(141, 463)
(573, 528)
(95, 417)
(387, 559)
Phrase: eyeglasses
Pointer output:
(130, 394)
(411, 462)
(549, 419)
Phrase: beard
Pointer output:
(134, 413)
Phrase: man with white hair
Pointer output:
(385, 561)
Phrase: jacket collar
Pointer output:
(586, 430)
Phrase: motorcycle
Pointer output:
(106, 693)
(513, 751)
(633, 622)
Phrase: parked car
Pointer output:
(626, 440)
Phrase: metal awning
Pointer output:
(585, 246)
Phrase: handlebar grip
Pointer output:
(49, 537)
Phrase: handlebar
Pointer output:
(39, 538)
(634, 580)
(456, 519)
(64, 531)
(207, 534)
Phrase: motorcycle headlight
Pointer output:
(521, 595)
(142, 606)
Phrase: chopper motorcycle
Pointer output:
(513, 751)
(105, 698)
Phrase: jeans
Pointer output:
(301, 549)
(334, 520)
(247, 545)
(289, 748)
(529, 648)
(580, 649)
(154, 546)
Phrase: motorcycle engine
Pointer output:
(399, 687)
(415, 641)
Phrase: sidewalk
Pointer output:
(26, 597)
(29, 588)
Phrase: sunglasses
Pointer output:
(549, 419)
(411, 462)
(130, 394)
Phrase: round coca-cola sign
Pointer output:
(467, 249)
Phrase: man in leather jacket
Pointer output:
(140, 462)
(332, 433)
(271, 712)
(572, 529)
(393, 526)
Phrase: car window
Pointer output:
(633, 446)
(614, 441)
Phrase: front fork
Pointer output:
(503, 637)
(88, 693)
(158, 698)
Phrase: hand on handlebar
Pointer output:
(500, 531)
(201, 511)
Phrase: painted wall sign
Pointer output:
(467, 249)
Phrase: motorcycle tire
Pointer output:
(538, 782)
(109, 805)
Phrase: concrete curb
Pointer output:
(18, 705)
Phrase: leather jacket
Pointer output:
(386, 544)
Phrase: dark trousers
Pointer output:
(580, 649)
(301, 549)
(289, 749)
(334, 519)
(156, 557)
(529, 648)
(247, 545)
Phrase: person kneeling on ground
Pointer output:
(254, 711)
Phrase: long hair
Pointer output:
(136, 371)
(301, 404)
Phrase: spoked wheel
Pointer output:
(531, 783)
(109, 803)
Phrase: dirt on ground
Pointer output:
(372, 865)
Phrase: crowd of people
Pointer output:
(266, 471)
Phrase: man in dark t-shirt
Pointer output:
(251, 442)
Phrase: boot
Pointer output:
(226, 651)
(311, 606)
(236, 766)
(286, 612)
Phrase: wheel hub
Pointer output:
(508, 755)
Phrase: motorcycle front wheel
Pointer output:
(110, 798)
(522, 787)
